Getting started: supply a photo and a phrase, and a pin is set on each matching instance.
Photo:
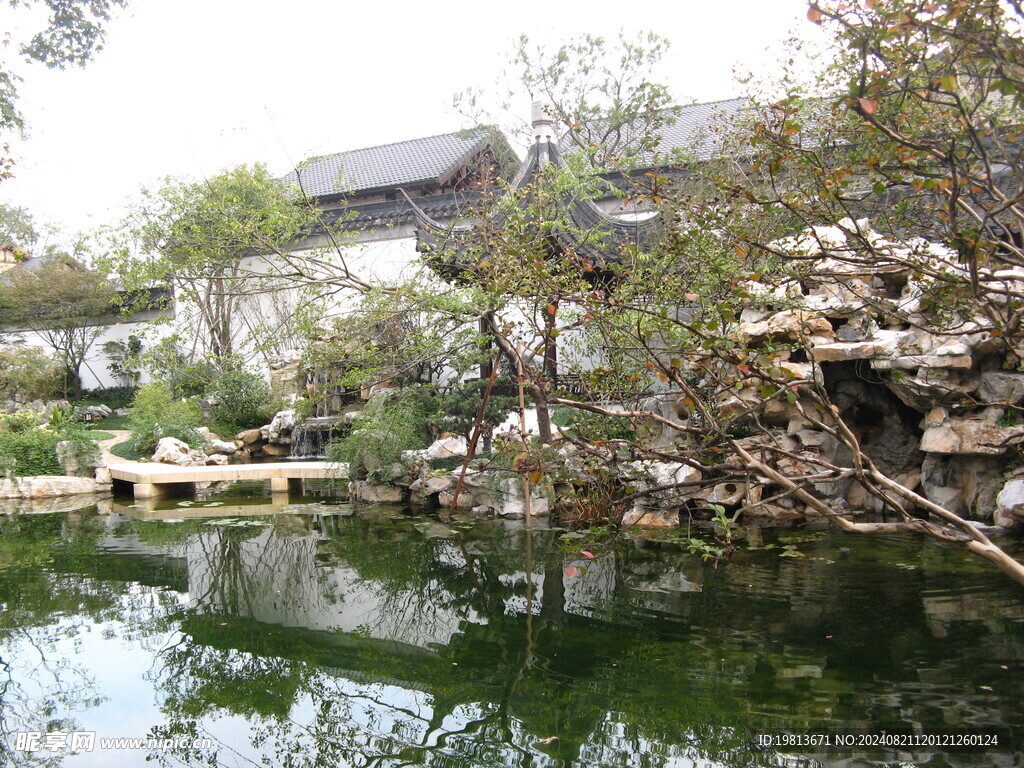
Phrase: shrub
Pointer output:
(394, 422)
(112, 397)
(26, 449)
(28, 373)
(157, 414)
(33, 451)
(240, 400)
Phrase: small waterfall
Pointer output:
(310, 437)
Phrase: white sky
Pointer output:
(189, 87)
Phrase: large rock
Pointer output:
(933, 386)
(376, 493)
(49, 486)
(647, 475)
(789, 325)
(215, 446)
(286, 376)
(979, 436)
(884, 344)
(1009, 512)
(966, 485)
(432, 485)
(446, 447)
(92, 413)
(1001, 387)
(506, 497)
(279, 430)
(249, 436)
(646, 517)
(171, 450)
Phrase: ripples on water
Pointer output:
(327, 635)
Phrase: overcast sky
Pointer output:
(189, 87)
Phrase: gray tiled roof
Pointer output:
(431, 159)
(697, 129)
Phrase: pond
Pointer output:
(231, 633)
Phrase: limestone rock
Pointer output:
(979, 436)
(1001, 387)
(884, 344)
(505, 496)
(49, 486)
(447, 447)
(928, 387)
(860, 327)
(376, 493)
(286, 378)
(92, 413)
(1009, 512)
(966, 485)
(466, 499)
(249, 436)
(430, 485)
(280, 428)
(171, 450)
(221, 447)
(270, 449)
(789, 325)
(216, 459)
(727, 494)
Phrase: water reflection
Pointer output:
(325, 634)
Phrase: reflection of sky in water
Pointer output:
(331, 641)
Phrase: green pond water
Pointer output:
(320, 634)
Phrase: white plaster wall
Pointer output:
(94, 371)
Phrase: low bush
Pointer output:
(157, 414)
(27, 449)
(240, 400)
(112, 397)
(394, 422)
(31, 452)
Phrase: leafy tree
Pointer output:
(28, 373)
(66, 304)
(227, 246)
(907, 151)
(124, 359)
(17, 226)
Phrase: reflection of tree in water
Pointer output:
(623, 664)
(506, 679)
(51, 588)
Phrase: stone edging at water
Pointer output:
(52, 486)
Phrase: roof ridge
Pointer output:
(709, 103)
(469, 131)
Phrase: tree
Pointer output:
(72, 36)
(17, 227)
(892, 193)
(225, 246)
(65, 304)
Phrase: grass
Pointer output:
(98, 436)
(114, 422)
(125, 451)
